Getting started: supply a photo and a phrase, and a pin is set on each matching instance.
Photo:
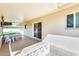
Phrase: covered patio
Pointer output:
(18, 45)
(39, 29)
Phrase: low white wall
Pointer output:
(67, 43)
(28, 32)
(38, 49)
(0, 42)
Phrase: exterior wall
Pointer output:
(56, 23)
(28, 30)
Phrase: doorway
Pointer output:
(38, 30)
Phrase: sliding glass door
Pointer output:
(38, 30)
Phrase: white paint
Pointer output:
(38, 49)
(28, 32)
(25, 10)
(67, 43)
(57, 23)
(0, 41)
(10, 49)
(74, 20)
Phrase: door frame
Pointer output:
(33, 28)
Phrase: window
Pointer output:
(70, 21)
(77, 20)
(73, 20)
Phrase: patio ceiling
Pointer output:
(19, 12)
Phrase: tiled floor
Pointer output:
(20, 44)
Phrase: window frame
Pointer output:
(74, 20)
(67, 21)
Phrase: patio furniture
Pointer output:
(9, 39)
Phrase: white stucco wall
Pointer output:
(56, 23)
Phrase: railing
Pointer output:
(64, 44)
(38, 49)
(0, 42)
